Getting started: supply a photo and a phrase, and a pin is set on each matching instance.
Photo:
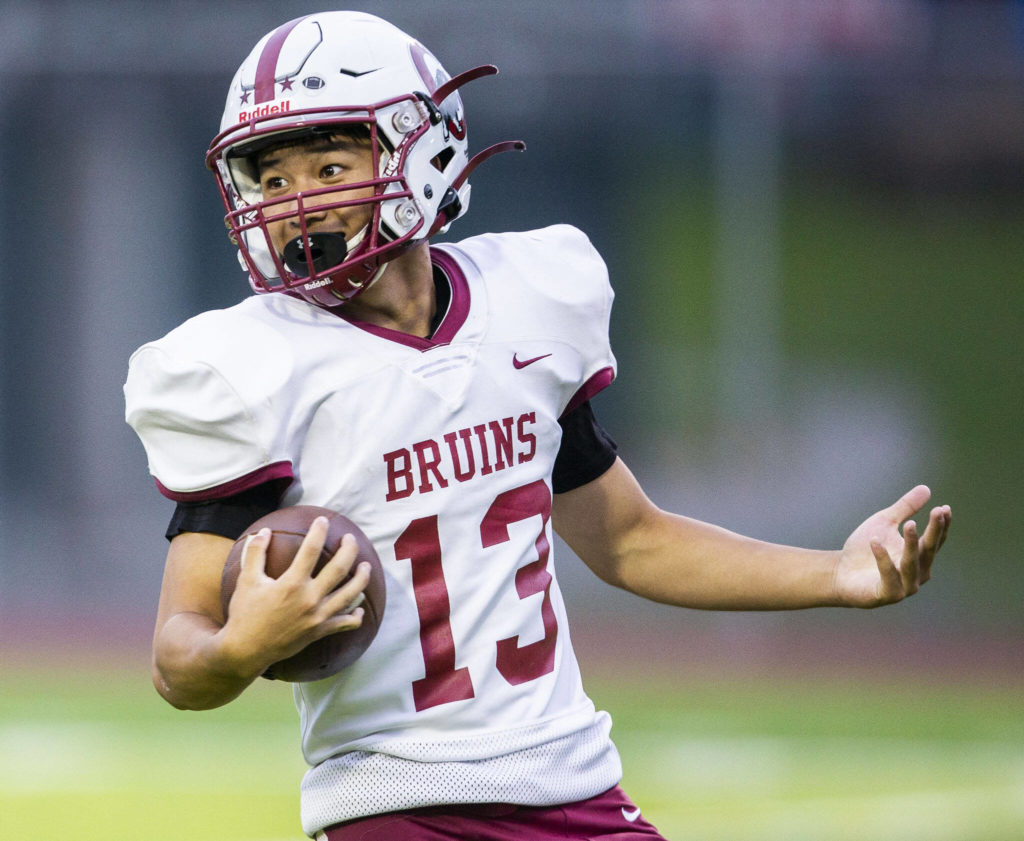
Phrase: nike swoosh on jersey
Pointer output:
(630, 816)
(522, 363)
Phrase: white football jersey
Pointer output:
(442, 450)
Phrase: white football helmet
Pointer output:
(317, 76)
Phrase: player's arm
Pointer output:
(199, 660)
(631, 543)
(190, 669)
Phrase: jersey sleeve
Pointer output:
(551, 286)
(201, 438)
(584, 294)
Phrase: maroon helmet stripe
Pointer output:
(266, 69)
(419, 52)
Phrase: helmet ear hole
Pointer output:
(443, 158)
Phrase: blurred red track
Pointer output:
(691, 648)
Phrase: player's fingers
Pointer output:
(338, 604)
(349, 594)
(891, 585)
(343, 622)
(337, 568)
(932, 539)
(946, 519)
(312, 545)
(909, 504)
(254, 554)
(910, 562)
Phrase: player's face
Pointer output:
(286, 170)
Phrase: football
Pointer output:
(329, 655)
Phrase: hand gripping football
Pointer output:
(329, 655)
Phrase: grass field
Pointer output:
(96, 756)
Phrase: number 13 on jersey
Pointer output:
(420, 544)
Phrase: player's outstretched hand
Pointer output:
(878, 565)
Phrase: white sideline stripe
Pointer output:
(92, 756)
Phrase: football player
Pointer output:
(439, 396)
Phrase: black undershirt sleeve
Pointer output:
(585, 453)
(229, 516)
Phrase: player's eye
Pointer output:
(332, 171)
(274, 183)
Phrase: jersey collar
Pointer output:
(452, 321)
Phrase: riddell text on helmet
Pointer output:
(461, 455)
(265, 111)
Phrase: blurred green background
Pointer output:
(811, 212)
(97, 756)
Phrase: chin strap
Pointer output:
(456, 82)
(452, 208)
(483, 155)
(446, 90)
(450, 204)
